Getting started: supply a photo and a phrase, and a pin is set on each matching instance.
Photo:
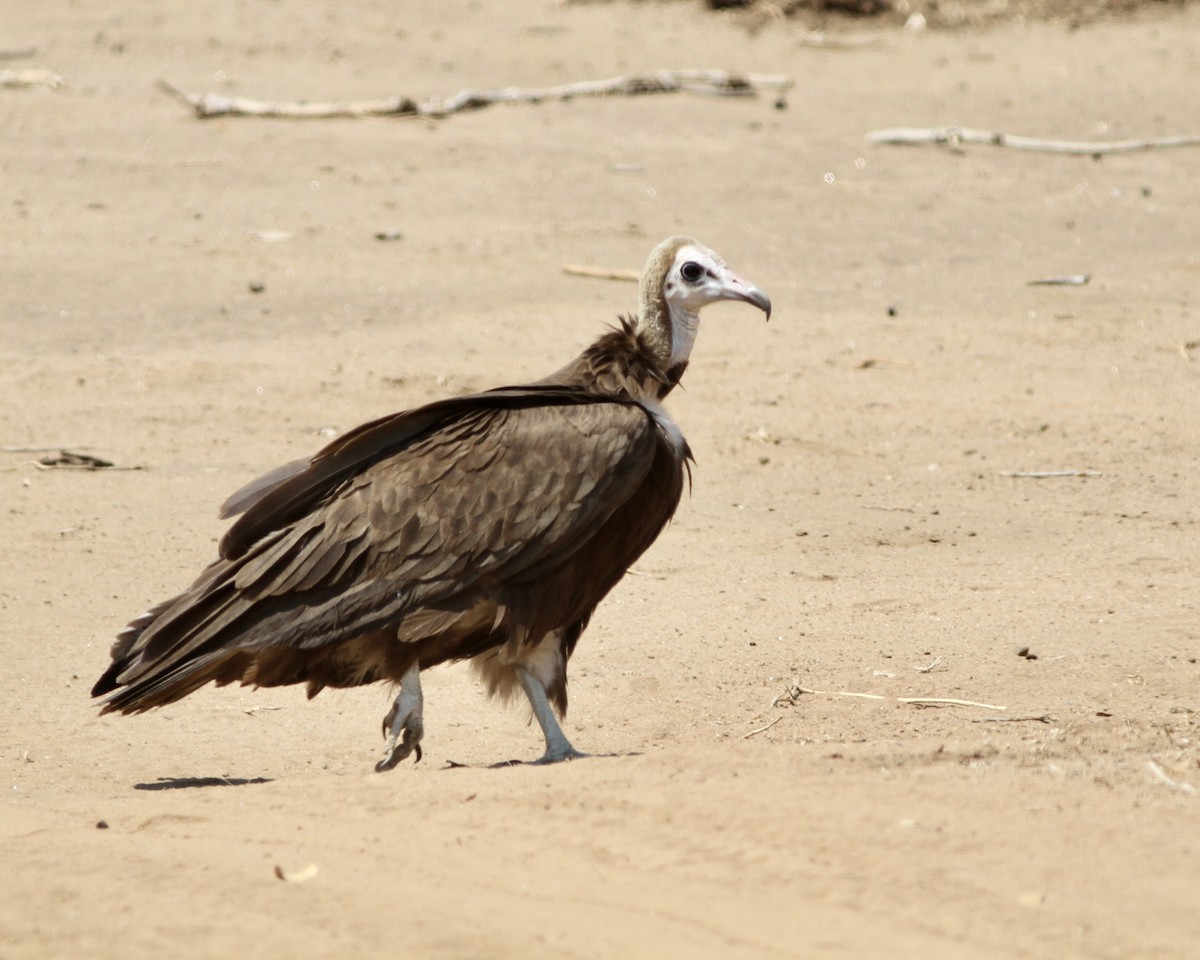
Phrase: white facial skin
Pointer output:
(697, 278)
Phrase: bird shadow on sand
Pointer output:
(502, 764)
(191, 783)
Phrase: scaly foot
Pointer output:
(406, 717)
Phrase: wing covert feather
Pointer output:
(509, 488)
(288, 492)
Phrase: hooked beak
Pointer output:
(738, 289)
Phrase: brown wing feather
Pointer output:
(488, 502)
(287, 493)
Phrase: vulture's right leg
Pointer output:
(558, 747)
(407, 717)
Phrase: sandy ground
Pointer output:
(851, 527)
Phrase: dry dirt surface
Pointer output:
(198, 301)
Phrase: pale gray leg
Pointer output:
(407, 716)
(557, 746)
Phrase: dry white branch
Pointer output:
(1160, 775)
(884, 362)
(793, 694)
(711, 82)
(1041, 718)
(819, 38)
(302, 875)
(1075, 280)
(946, 702)
(31, 78)
(794, 691)
(600, 273)
(52, 449)
(928, 668)
(754, 733)
(1044, 474)
(956, 136)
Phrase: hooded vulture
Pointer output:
(485, 528)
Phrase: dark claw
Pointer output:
(398, 753)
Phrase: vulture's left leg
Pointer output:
(407, 716)
(558, 747)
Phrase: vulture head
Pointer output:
(680, 278)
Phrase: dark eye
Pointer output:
(691, 271)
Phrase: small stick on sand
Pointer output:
(884, 362)
(1075, 280)
(31, 78)
(52, 449)
(1161, 776)
(712, 82)
(794, 692)
(600, 273)
(761, 729)
(956, 136)
(1044, 474)
(946, 702)
(1044, 718)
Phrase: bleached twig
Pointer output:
(955, 136)
(600, 273)
(1044, 474)
(946, 702)
(711, 82)
(52, 449)
(1075, 280)
(251, 711)
(1160, 775)
(1041, 718)
(31, 77)
(753, 733)
(793, 693)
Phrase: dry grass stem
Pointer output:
(956, 136)
(947, 702)
(1076, 280)
(31, 78)
(1161, 776)
(1044, 718)
(600, 273)
(55, 448)
(1045, 474)
(753, 733)
(793, 693)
